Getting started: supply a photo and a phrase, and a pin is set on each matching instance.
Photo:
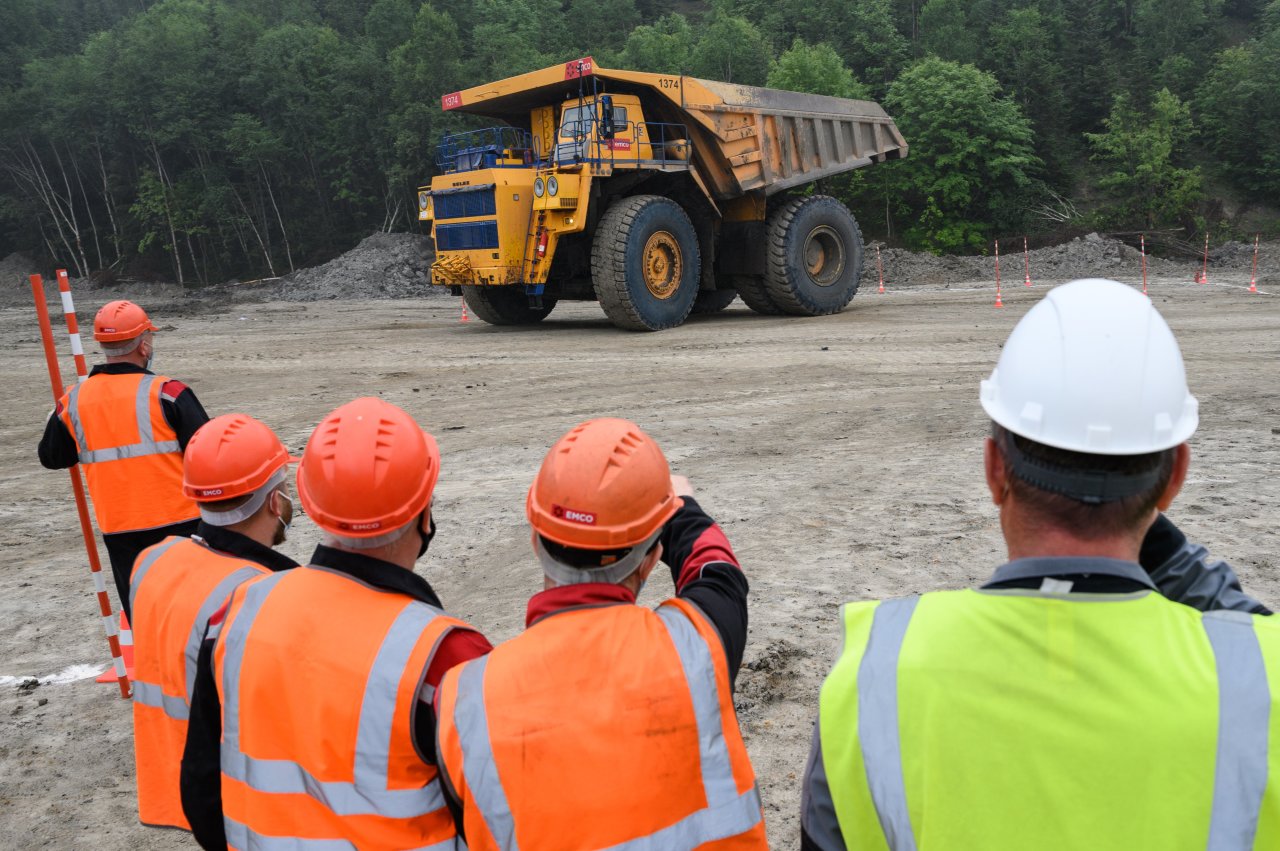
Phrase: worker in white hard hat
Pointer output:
(1066, 704)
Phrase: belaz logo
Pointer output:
(561, 513)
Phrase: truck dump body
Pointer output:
(745, 139)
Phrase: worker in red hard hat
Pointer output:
(127, 427)
(236, 470)
(606, 724)
(311, 721)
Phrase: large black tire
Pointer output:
(713, 301)
(645, 263)
(755, 295)
(814, 256)
(506, 305)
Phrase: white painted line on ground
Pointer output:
(69, 674)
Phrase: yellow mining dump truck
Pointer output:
(655, 194)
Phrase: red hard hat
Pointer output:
(368, 469)
(118, 321)
(604, 485)
(230, 456)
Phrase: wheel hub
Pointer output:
(663, 265)
(823, 255)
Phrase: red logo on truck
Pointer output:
(452, 101)
(620, 144)
(571, 71)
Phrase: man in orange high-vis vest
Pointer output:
(311, 721)
(605, 724)
(236, 470)
(127, 428)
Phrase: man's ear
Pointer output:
(996, 472)
(650, 562)
(1181, 461)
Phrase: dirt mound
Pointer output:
(384, 265)
(1083, 257)
(14, 270)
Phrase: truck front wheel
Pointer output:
(814, 256)
(506, 305)
(645, 263)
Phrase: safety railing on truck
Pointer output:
(492, 147)
(667, 145)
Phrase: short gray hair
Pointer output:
(376, 541)
(122, 348)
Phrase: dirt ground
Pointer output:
(841, 454)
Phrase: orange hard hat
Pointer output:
(605, 485)
(230, 456)
(368, 469)
(118, 321)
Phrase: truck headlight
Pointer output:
(539, 187)
(422, 200)
(553, 185)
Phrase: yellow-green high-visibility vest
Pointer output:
(1019, 720)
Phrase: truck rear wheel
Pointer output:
(754, 294)
(713, 301)
(814, 256)
(645, 263)
(507, 305)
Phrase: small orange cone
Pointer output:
(999, 303)
(464, 318)
(1026, 257)
(879, 269)
(126, 651)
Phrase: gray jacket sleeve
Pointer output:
(819, 828)
(1184, 573)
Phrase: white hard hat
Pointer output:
(1093, 368)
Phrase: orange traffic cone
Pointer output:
(1253, 285)
(999, 303)
(879, 269)
(464, 318)
(126, 651)
(1253, 280)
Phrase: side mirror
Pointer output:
(606, 117)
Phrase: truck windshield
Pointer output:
(576, 121)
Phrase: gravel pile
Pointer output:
(15, 290)
(384, 265)
(1083, 257)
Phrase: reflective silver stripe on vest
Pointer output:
(150, 694)
(727, 813)
(241, 837)
(478, 767)
(214, 601)
(1244, 717)
(146, 693)
(878, 720)
(368, 793)
(146, 444)
(141, 569)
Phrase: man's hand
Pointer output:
(682, 486)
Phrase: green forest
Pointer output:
(197, 140)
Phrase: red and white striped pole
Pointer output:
(999, 303)
(1204, 270)
(73, 325)
(879, 269)
(82, 504)
(1026, 257)
(1253, 279)
(1143, 242)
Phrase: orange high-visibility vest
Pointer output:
(130, 453)
(601, 727)
(319, 678)
(177, 586)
